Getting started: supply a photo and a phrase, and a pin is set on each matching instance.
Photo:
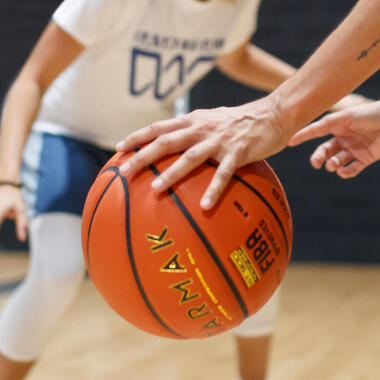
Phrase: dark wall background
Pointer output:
(334, 220)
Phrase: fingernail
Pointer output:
(124, 169)
(157, 183)
(22, 235)
(330, 166)
(120, 145)
(206, 203)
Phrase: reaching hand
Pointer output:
(232, 136)
(12, 206)
(356, 144)
(349, 101)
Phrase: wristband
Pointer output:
(10, 183)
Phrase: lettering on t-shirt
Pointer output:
(148, 39)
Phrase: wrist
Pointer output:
(266, 114)
(10, 183)
(275, 115)
(287, 112)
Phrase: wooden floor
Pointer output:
(328, 328)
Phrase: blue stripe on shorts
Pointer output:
(58, 171)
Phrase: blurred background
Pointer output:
(334, 220)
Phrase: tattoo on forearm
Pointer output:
(364, 53)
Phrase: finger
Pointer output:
(163, 145)
(324, 151)
(21, 224)
(192, 158)
(349, 101)
(319, 128)
(151, 132)
(351, 170)
(221, 178)
(337, 160)
(312, 131)
(5, 213)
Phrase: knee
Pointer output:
(57, 265)
(32, 312)
(65, 283)
(55, 290)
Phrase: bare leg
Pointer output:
(11, 370)
(253, 356)
(253, 340)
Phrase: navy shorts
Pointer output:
(58, 171)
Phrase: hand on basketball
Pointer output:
(12, 207)
(356, 144)
(232, 136)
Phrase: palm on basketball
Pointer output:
(356, 144)
(233, 136)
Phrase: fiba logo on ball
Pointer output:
(174, 270)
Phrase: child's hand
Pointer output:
(12, 206)
(349, 101)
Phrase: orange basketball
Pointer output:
(174, 270)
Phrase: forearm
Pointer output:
(256, 68)
(20, 110)
(346, 59)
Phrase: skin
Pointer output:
(11, 370)
(253, 359)
(356, 141)
(236, 136)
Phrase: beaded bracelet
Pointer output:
(10, 183)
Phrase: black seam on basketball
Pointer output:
(207, 244)
(132, 259)
(92, 219)
(271, 209)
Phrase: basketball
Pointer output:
(174, 270)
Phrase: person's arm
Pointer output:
(254, 67)
(238, 135)
(258, 69)
(349, 56)
(356, 141)
(53, 53)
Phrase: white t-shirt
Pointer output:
(140, 56)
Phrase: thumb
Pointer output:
(3, 214)
(21, 223)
